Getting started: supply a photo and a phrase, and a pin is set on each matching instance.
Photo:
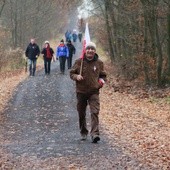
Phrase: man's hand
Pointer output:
(79, 77)
(53, 58)
(101, 82)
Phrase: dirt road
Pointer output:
(41, 132)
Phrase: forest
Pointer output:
(135, 34)
(38, 116)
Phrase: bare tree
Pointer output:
(2, 5)
(137, 32)
(40, 19)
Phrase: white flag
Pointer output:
(86, 40)
(87, 35)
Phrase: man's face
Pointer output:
(90, 52)
(32, 41)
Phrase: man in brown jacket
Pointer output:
(90, 76)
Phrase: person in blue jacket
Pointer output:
(62, 53)
(68, 35)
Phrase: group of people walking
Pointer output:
(87, 72)
(73, 35)
(64, 52)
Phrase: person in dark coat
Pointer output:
(47, 55)
(89, 74)
(72, 51)
(74, 35)
(80, 36)
(32, 52)
(68, 35)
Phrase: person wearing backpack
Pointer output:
(62, 53)
(47, 52)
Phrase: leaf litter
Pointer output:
(134, 121)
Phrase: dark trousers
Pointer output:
(80, 37)
(62, 60)
(93, 101)
(47, 65)
(69, 61)
(32, 66)
(74, 39)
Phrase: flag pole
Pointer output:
(86, 40)
(82, 56)
(81, 66)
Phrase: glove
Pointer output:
(101, 82)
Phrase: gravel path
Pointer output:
(41, 130)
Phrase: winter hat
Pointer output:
(91, 44)
(62, 40)
(47, 42)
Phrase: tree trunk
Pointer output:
(160, 58)
(109, 31)
(2, 7)
(113, 26)
(145, 50)
(168, 21)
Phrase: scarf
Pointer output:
(48, 51)
(61, 45)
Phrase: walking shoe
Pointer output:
(95, 139)
(83, 137)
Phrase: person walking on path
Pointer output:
(74, 35)
(72, 51)
(62, 53)
(32, 52)
(80, 36)
(89, 74)
(47, 52)
(68, 35)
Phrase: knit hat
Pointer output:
(91, 44)
(47, 42)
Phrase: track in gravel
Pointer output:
(42, 122)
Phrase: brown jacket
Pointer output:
(91, 72)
